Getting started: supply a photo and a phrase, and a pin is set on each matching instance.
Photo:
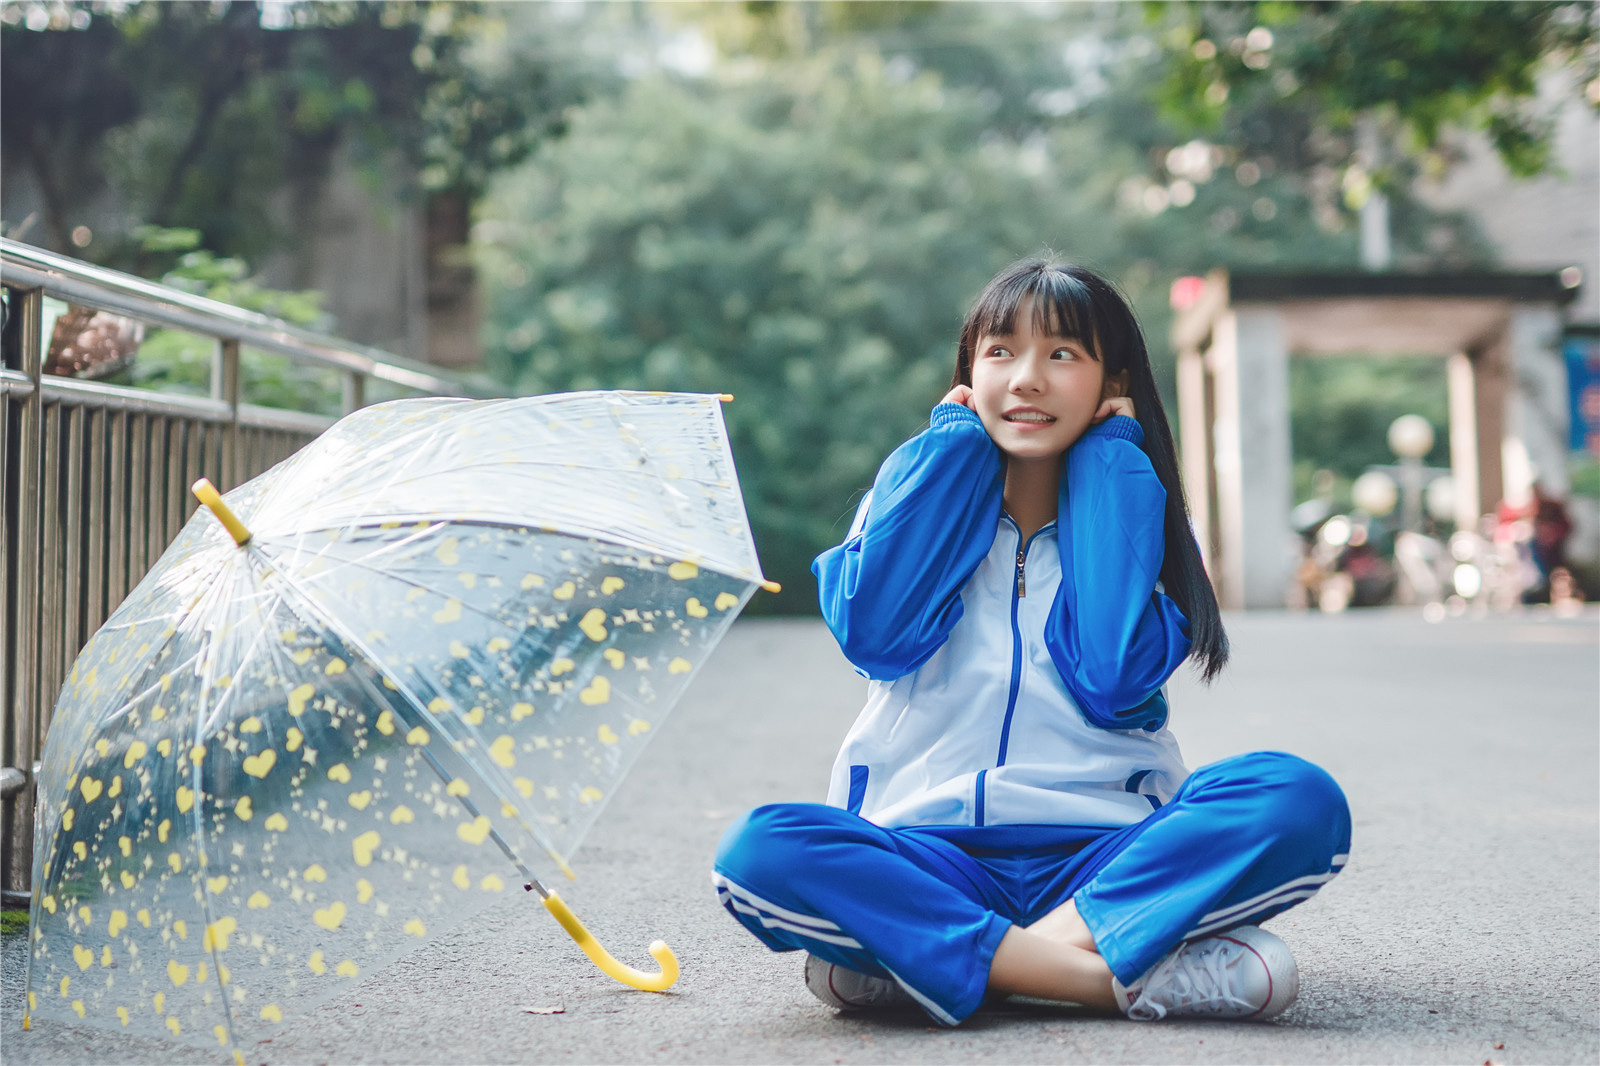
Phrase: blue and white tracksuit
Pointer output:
(1013, 753)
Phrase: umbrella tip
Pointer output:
(725, 397)
(772, 586)
(207, 494)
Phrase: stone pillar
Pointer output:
(1491, 377)
(1194, 429)
(1250, 358)
(1463, 440)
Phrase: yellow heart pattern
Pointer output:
(503, 750)
(298, 698)
(329, 917)
(594, 624)
(260, 765)
(362, 847)
(475, 831)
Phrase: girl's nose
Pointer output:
(1025, 376)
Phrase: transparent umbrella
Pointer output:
(399, 677)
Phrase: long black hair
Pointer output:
(1071, 301)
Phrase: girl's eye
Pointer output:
(999, 352)
(1063, 353)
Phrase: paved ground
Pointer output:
(1465, 929)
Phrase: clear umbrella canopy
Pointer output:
(450, 632)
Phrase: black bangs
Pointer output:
(1073, 301)
(1063, 305)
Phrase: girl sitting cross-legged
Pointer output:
(1010, 814)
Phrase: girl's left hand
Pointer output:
(1116, 405)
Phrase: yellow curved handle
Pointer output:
(207, 494)
(649, 982)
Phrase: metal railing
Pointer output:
(94, 477)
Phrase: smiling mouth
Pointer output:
(1036, 418)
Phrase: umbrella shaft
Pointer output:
(494, 834)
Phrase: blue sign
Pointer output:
(1583, 386)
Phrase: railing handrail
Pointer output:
(83, 283)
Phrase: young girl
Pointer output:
(1009, 814)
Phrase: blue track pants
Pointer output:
(1242, 840)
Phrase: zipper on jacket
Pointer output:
(1022, 579)
(1016, 636)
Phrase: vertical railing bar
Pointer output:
(50, 567)
(156, 489)
(177, 492)
(73, 539)
(194, 461)
(24, 730)
(95, 578)
(138, 498)
(117, 506)
(8, 554)
(225, 387)
(355, 391)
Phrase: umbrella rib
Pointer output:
(207, 664)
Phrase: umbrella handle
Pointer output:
(649, 982)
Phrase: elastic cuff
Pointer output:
(988, 944)
(1119, 426)
(949, 413)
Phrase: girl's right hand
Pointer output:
(961, 394)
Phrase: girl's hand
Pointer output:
(1116, 405)
(961, 394)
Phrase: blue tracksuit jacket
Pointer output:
(1011, 683)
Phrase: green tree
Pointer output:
(1418, 70)
(805, 226)
(200, 115)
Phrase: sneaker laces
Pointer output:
(1188, 978)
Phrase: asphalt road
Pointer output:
(1465, 928)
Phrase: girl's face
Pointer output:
(1035, 393)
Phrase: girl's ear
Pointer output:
(1116, 385)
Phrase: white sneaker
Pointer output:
(849, 990)
(1243, 973)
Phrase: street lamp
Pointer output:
(1410, 438)
(1374, 493)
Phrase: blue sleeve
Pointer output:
(1115, 639)
(892, 592)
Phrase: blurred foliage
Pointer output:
(805, 223)
(1340, 409)
(171, 360)
(1416, 70)
(792, 202)
(215, 116)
